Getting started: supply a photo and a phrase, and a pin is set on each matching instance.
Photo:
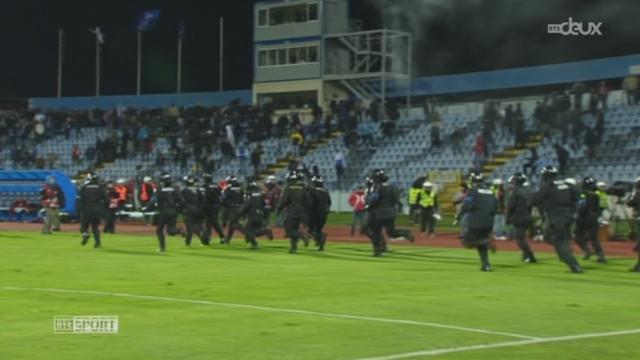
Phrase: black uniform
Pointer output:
(193, 212)
(634, 203)
(254, 209)
(296, 200)
(557, 203)
(212, 198)
(586, 229)
(91, 204)
(519, 215)
(382, 204)
(168, 202)
(480, 207)
(233, 202)
(319, 211)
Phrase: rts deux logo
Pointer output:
(574, 28)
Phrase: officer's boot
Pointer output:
(96, 239)
(269, 234)
(294, 245)
(85, 239)
(483, 251)
(637, 267)
(323, 240)
(530, 258)
(161, 242)
(575, 268)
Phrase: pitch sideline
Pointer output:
(272, 309)
(502, 344)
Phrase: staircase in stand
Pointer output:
(283, 162)
(509, 154)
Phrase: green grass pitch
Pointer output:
(229, 302)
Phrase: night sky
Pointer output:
(452, 36)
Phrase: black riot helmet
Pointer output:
(518, 179)
(549, 173)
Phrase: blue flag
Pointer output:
(148, 20)
(180, 29)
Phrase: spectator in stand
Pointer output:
(591, 141)
(508, 120)
(456, 138)
(599, 127)
(518, 127)
(357, 203)
(75, 154)
(256, 160)
(297, 140)
(366, 131)
(603, 94)
(630, 88)
(435, 136)
(578, 89)
(479, 149)
(531, 163)
(593, 101)
(562, 155)
(339, 164)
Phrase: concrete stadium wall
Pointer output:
(219, 98)
(605, 68)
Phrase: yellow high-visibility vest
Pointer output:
(413, 195)
(427, 199)
(604, 199)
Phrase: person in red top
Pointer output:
(52, 200)
(75, 154)
(114, 200)
(145, 193)
(479, 150)
(272, 193)
(357, 203)
(123, 192)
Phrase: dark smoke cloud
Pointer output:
(472, 35)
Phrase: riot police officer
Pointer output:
(319, 211)
(480, 207)
(168, 202)
(586, 230)
(519, 209)
(212, 198)
(233, 201)
(254, 210)
(634, 203)
(193, 211)
(296, 201)
(382, 203)
(91, 204)
(557, 204)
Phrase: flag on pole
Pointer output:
(180, 29)
(148, 20)
(99, 35)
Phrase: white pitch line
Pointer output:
(271, 309)
(502, 344)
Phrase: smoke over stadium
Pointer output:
(319, 179)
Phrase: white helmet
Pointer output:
(427, 184)
(121, 181)
(271, 179)
(601, 185)
(146, 179)
(571, 181)
(497, 181)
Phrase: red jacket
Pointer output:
(357, 200)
